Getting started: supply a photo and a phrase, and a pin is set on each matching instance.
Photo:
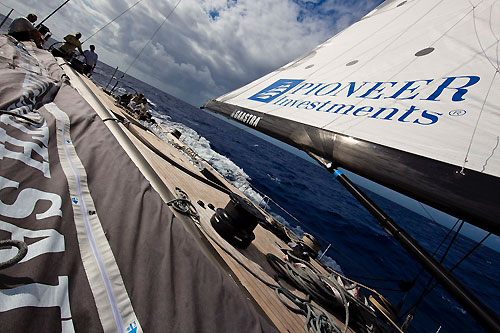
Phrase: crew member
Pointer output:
(90, 61)
(23, 30)
(72, 42)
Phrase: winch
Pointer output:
(236, 222)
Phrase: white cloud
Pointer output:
(206, 48)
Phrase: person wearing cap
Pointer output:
(23, 30)
(90, 60)
(72, 42)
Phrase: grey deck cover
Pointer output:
(105, 253)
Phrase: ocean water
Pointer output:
(325, 209)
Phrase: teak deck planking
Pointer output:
(253, 257)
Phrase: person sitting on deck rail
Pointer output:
(90, 61)
(23, 30)
(66, 50)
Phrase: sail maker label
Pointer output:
(312, 96)
(246, 118)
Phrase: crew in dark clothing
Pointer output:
(23, 30)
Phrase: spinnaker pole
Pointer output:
(485, 316)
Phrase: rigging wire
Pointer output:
(369, 288)
(494, 34)
(452, 242)
(477, 122)
(310, 230)
(465, 257)
(428, 288)
(116, 18)
(53, 12)
(412, 308)
(15, 11)
(427, 212)
(177, 165)
(496, 68)
(479, 39)
(445, 238)
(226, 191)
(437, 248)
(407, 285)
(403, 286)
(491, 155)
(149, 41)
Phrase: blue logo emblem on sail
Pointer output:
(276, 89)
(132, 328)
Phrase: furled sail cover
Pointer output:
(408, 97)
(104, 252)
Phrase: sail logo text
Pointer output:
(311, 96)
(276, 89)
(246, 118)
(31, 212)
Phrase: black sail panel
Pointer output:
(473, 197)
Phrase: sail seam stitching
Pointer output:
(493, 33)
(109, 279)
(491, 155)
(479, 40)
(477, 123)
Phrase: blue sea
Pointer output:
(359, 247)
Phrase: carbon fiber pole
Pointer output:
(485, 316)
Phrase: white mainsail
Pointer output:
(407, 97)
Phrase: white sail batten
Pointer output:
(415, 77)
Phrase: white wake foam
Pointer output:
(224, 166)
(199, 144)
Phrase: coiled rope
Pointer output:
(21, 253)
(325, 241)
(317, 320)
(183, 205)
(309, 280)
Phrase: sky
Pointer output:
(205, 48)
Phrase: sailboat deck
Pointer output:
(253, 257)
